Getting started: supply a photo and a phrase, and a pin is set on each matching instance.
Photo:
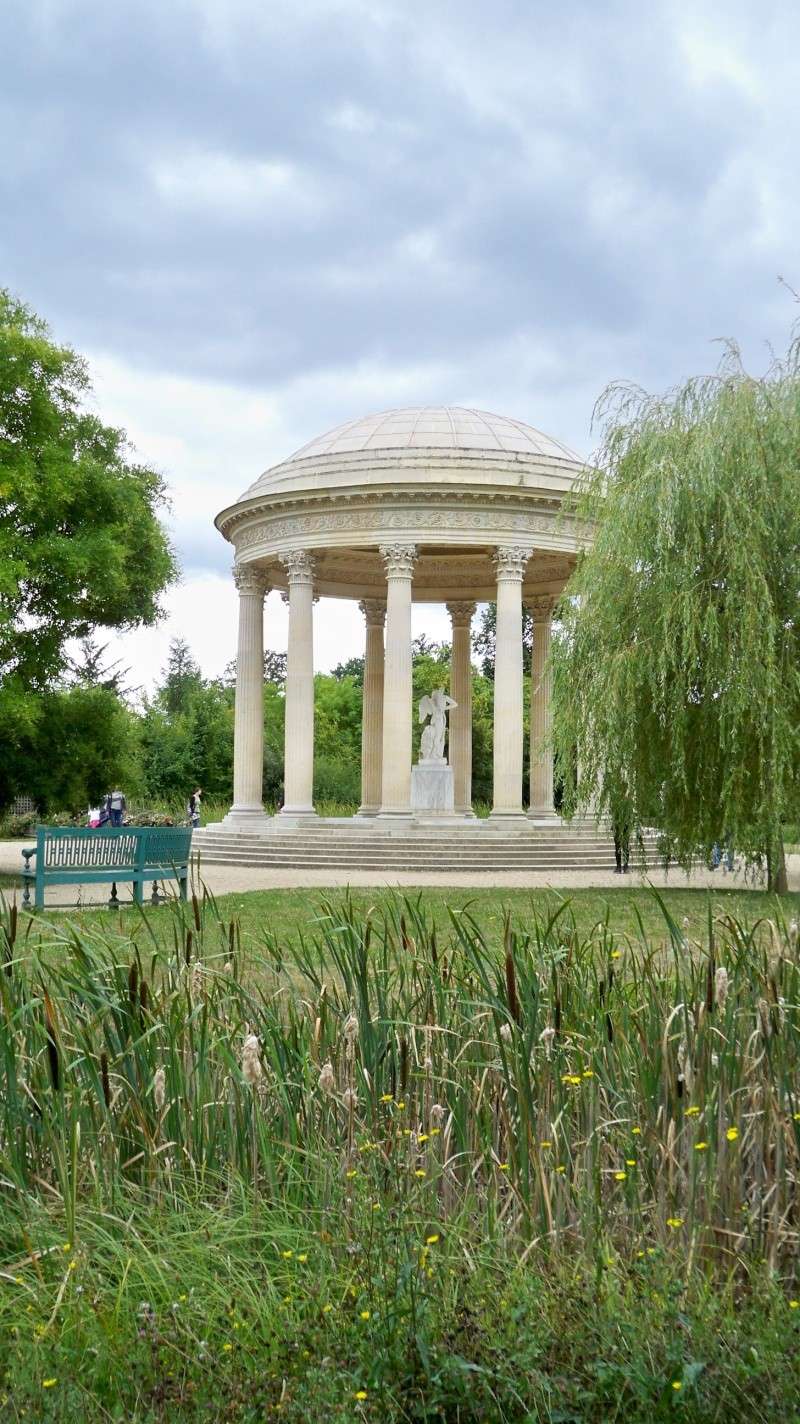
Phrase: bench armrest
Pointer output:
(27, 854)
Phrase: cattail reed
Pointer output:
(133, 986)
(511, 988)
(53, 1058)
(105, 1079)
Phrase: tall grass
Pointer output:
(563, 1090)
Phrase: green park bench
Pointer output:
(82, 856)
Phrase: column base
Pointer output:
(543, 813)
(366, 813)
(296, 816)
(508, 815)
(465, 813)
(394, 814)
(245, 818)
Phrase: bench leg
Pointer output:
(138, 892)
(113, 903)
(26, 894)
(183, 885)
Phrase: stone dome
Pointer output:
(421, 443)
(430, 427)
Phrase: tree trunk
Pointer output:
(777, 879)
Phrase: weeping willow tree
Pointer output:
(676, 673)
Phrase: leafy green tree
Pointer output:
(483, 639)
(677, 671)
(81, 546)
(182, 678)
(85, 742)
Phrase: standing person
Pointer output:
(621, 823)
(194, 808)
(117, 806)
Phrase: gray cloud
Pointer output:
(521, 199)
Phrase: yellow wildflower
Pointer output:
(616, 954)
(287, 1254)
(227, 1346)
(674, 1222)
(588, 1072)
(303, 1257)
(561, 1167)
(620, 1176)
(700, 1146)
(326, 1309)
(386, 1097)
(794, 1304)
(432, 1240)
(630, 1161)
(545, 1144)
(364, 1315)
(502, 1166)
(351, 1174)
(48, 1383)
(676, 1384)
(636, 1131)
(400, 1107)
(732, 1134)
(692, 1112)
(360, 1394)
(420, 1172)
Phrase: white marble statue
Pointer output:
(436, 706)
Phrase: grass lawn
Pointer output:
(275, 914)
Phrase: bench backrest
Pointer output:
(78, 848)
(112, 847)
(166, 845)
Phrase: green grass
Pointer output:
(538, 1168)
(287, 913)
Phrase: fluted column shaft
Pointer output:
(298, 774)
(396, 775)
(508, 725)
(248, 726)
(374, 610)
(541, 798)
(460, 746)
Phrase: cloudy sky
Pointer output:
(259, 218)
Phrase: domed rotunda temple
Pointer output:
(429, 505)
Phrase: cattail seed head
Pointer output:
(721, 985)
(251, 1061)
(350, 1099)
(437, 1115)
(160, 1088)
(327, 1081)
(546, 1039)
(350, 1029)
(505, 1032)
(105, 1079)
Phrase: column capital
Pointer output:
(541, 606)
(461, 613)
(249, 579)
(399, 559)
(374, 611)
(510, 562)
(299, 566)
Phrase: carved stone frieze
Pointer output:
(399, 559)
(379, 517)
(250, 580)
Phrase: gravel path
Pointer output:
(227, 879)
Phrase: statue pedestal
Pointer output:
(432, 788)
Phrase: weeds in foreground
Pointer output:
(409, 1128)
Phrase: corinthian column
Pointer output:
(461, 715)
(374, 610)
(541, 752)
(248, 726)
(510, 565)
(396, 775)
(298, 773)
